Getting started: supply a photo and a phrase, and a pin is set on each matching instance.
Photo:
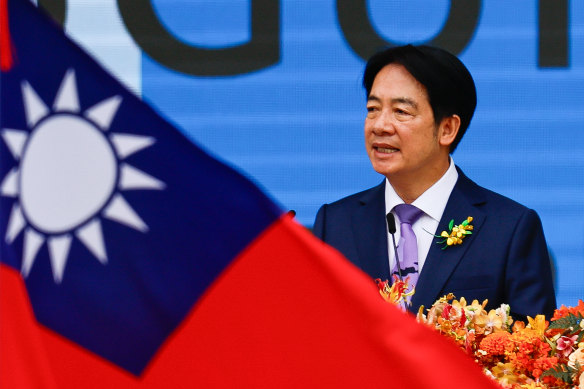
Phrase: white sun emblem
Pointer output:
(69, 176)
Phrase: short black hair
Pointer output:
(450, 87)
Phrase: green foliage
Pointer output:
(562, 372)
(570, 323)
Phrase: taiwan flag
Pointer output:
(130, 258)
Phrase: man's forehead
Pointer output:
(395, 75)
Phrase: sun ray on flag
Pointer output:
(67, 99)
(35, 108)
(58, 251)
(32, 244)
(15, 139)
(103, 112)
(16, 223)
(119, 210)
(132, 178)
(92, 237)
(128, 144)
(9, 186)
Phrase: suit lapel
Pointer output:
(440, 263)
(368, 224)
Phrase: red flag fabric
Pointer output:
(5, 45)
(323, 324)
(23, 357)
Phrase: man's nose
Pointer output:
(384, 123)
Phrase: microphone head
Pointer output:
(391, 223)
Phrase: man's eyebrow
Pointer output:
(396, 100)
(405, 100)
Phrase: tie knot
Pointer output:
(407, 213)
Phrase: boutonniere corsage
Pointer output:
(455, 234)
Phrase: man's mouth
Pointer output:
(385, 150)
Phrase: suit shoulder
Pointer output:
(498, 203)
(356, 198)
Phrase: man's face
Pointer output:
(401, 136)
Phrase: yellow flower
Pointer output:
(489, 322)
(457, 232)
(532, 385)
(539, 325)
(474, 308)
(459, 304)
(504, 373)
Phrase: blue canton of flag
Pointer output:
(117, 222)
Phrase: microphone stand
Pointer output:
(391, 227)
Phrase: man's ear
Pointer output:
(448, 130)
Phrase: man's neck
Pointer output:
(409, 188)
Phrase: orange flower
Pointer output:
(518, 326)
(564, 311)
(542, 364)
(527, 347)
(496, 344)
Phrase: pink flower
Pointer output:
(565, 344)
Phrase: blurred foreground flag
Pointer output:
(130, 258)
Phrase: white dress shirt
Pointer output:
(432, 202)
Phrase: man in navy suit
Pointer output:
(420, 101)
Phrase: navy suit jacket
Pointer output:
(505, 260)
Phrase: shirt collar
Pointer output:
(433, 200)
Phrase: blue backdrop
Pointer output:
(296, 127)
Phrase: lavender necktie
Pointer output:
(407, 248)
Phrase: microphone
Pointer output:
(391, 227)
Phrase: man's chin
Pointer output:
(385, 170)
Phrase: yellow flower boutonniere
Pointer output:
(456, 233)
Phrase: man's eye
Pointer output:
(372, 112)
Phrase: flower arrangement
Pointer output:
(539, 354)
